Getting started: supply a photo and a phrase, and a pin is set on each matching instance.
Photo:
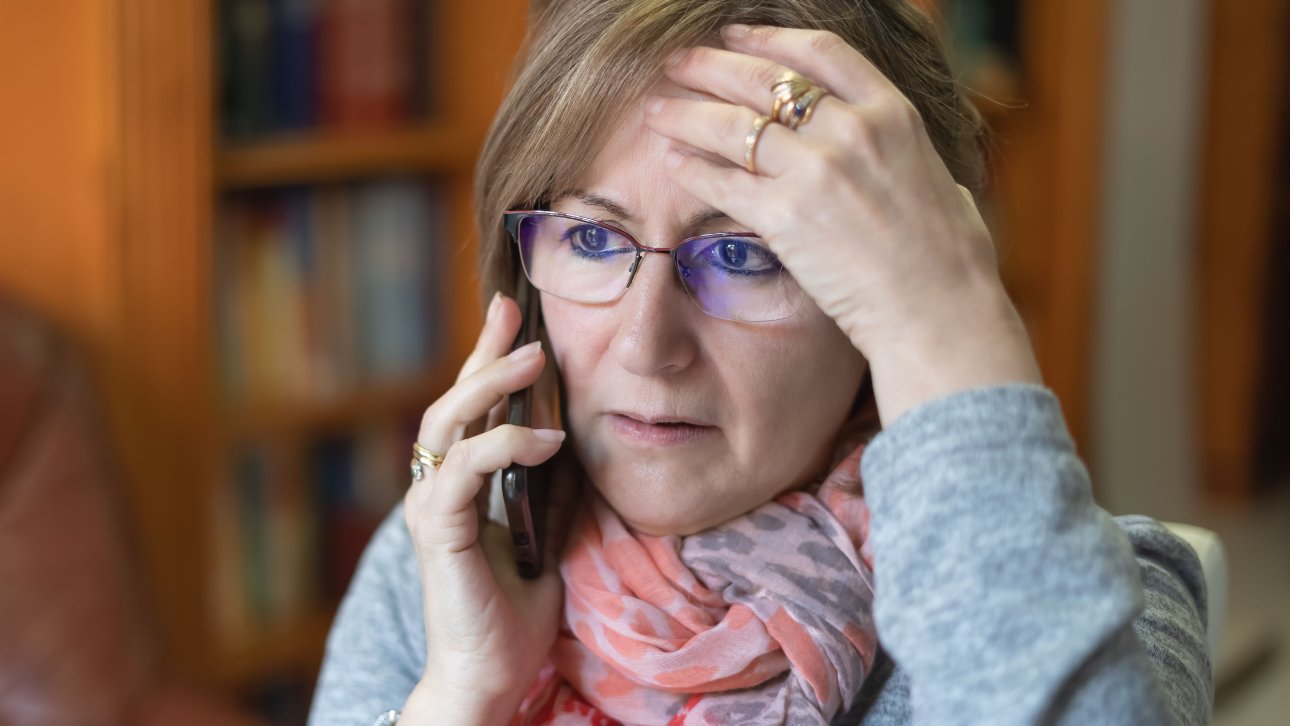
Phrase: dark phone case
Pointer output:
(524, 488)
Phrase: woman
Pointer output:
(827, 274)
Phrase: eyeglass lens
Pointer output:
(729, 276)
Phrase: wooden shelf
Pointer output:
(314, 157)
(364, 403)
(294, 650)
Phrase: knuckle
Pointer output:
(460, 454)
(720, 187)
(856, 131)
(825, 42)
(898, 111)
(732, 125)
(762, 75)
(908, 114)
(688, 58)
(431, 415)
(828, 161)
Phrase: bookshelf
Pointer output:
(114, 226)
(325, 205)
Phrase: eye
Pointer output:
(741, 256)
(589, 237)
(593, 241)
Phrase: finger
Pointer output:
(722, 129)
(497, 417)
(733, 191)
(741, 78)
(820, 55)
(446, 420)
(501, 323)
(470, 462)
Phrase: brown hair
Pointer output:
(585, 62)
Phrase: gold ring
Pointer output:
(422, 458)
(750, 142)
(786, 89)
(802, 108)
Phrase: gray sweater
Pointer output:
(1004, 595)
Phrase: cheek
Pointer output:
(793, 393)
(578, 336)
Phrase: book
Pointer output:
(365, 58)
(294, 68)
(245, 53)
(391, 236)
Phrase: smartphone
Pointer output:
(524, 488)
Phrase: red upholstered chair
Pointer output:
(75, 642)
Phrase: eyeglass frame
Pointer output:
(512, 217)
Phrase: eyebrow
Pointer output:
(695, 221)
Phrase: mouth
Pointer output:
(658, 430)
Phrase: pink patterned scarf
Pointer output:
(766, 619)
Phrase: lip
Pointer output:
(659, 418)
(647, 429)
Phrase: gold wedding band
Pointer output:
(423, 458)
(750, 142)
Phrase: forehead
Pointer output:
(629, 168)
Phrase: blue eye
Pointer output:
(592, 242)
(740, 256)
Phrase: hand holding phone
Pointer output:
(488, 632)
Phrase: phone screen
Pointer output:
(524, 488)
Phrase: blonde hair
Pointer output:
(586, 62)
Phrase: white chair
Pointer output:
(1213, 561)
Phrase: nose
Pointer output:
(656, 334)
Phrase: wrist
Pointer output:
(432, 703)
(979, 342)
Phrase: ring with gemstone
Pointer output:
(423, 459)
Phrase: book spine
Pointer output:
(294, 63)
(365, 63)
(250, 102)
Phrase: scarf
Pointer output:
(765, 619)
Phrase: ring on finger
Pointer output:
(799, 112)
(750, 142)
(423, 459)
(786, 89)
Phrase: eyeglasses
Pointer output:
(732, 276)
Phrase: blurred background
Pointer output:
(237, 262)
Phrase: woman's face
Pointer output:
(770, 396)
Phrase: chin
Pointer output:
(660, 512)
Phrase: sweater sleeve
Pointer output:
(376, 649)
(1005, 595)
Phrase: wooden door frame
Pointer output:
(1247, 66)
(1050, 173)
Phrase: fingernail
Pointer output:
(492, 306)
(673, 159)
(526, 352)
(549, 434)
(653, 104)
(734, 32)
